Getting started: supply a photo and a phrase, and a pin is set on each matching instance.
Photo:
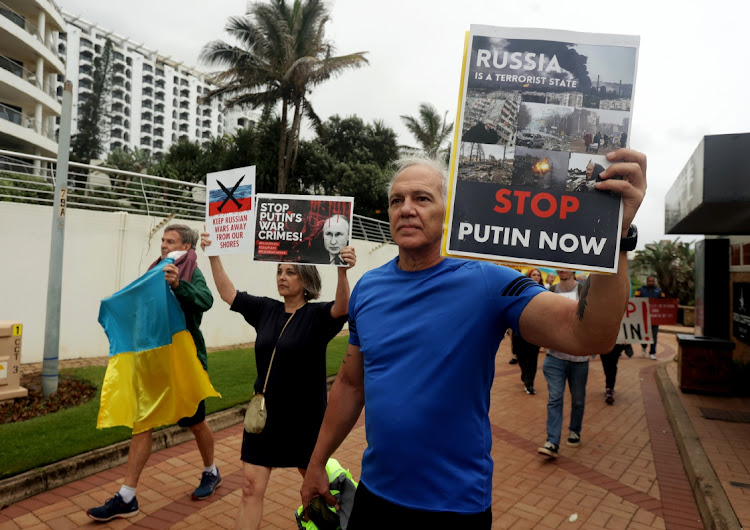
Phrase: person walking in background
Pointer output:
(291, 369)
(527, 353)
(650, 290)
(609, 364)
(558, 368)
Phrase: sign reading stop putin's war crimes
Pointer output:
(538, 112)
(229, 211)
(302, 228)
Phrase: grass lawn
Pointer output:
(47, 439)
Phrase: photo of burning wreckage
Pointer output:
(539, 168)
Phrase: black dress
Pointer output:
(296, 391)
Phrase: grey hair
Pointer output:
(187, 234)
(310, 278)
(404, 163)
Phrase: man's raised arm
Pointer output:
(591, 325)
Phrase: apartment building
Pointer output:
(29, 66)
(154, 101)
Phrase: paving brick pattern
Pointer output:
(626, 474)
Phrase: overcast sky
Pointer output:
(691, 78)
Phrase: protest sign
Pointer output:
(229, 215)
(538, 111)
(663, 311)
(635, 327)
(302, 228)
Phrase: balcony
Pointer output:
(21, 21)
(15, 124)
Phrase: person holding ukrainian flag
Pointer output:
(157, 371)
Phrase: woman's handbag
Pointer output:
(256, 414)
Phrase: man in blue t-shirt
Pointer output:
(424, 330)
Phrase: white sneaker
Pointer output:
(652, 356)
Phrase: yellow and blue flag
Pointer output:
(154, 376)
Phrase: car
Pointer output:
(537, 142)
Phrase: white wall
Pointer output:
(104, 251)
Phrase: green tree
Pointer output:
(673, 264)
(92, 116)
(282, 54)
(350, 158)
(428, 129)
(137, 160)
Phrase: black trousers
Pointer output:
(527, 355)
(609, 363)
(371, 512)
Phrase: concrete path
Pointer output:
(627, 473)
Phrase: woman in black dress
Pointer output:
(296, 391)
(527, 353)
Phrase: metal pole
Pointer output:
(54, 283)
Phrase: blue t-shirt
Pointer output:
(428, 339)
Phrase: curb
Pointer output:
(36, 481)
(713, 504)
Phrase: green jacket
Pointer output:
(195, 299)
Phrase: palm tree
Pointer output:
(281, 54)
(428, 129)
(673, 264)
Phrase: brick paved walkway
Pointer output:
(627, 473)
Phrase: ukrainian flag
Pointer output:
(154, 376)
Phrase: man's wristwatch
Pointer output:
(629, 242)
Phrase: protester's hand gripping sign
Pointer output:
(302, 228)
(229, 211)
(636, 323)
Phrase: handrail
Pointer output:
(30, 178)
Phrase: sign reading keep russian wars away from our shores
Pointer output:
(538, 112)
(302, 228)
(229, 211)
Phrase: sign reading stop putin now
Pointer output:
(538, 112)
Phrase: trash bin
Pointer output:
(705, 364)
(11, 333)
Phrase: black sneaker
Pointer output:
(513, 360)
(114, 508)
(609, 396)
(548, 449)
(530, 390)
(574, 439)
(209, 483)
